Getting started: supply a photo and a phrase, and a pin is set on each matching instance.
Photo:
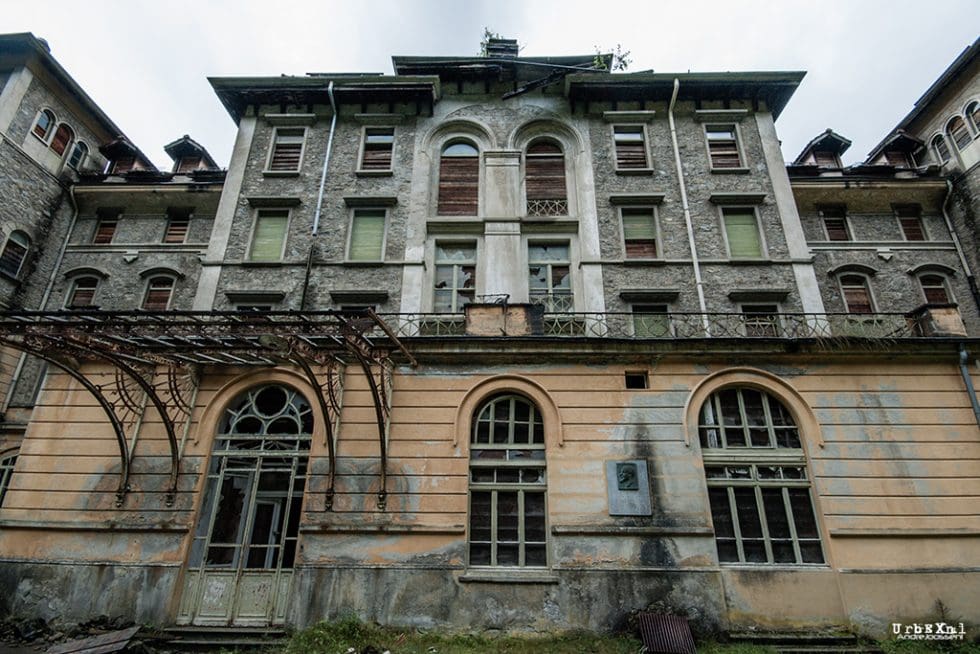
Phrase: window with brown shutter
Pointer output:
(177, 226)
(826, 159)
(940, 148)
(62, 137)
(957, 131)
(835, 223)
(631, 148)
(105, 230)
(934, 289)
(544, 180)
(723, 146)
(188, 164)
(14, 253)
(378, 145)
(82, 293)
(897, 159)
(911, 222)
(123, 164)
(459, 180)
(857, 297)
(287, 150)
(158, 293)
(43, 124)
(639, 233)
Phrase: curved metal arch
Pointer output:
(96, 392)
(328, 424)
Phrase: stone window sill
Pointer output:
(731, 171)
(509, 576)
(642, 262)
(374, 173)
(364, 264)
(634, 171)
(750, 262)
(280, 173)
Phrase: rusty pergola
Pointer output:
(158, 358)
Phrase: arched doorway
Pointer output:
(240, 566)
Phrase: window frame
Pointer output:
(362, 151)
(69, 143)
(951, 129)
(728, 127)
(547, 300)
(763, 246)
(753, 457)
(645, 142)
(634, 314)
(106, 218)
(866, 282)
(25, 244)
(8, 462)
(944, 283)
(845, 217)
(775, 319)
(938, 145)
(495, 487)
(475, 262)
(972, 112)
(657, 241)
(72, 162)
(443, 147)
(174, 216)
(897, 211)
(73, 288)
(350, 235)
(562, 206)
(274, 141)
(148, 287)
(255, 225)
(51, 126)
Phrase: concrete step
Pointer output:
(200, 639)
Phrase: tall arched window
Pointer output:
(940, 148)
(14, 253)
(544, 179)
(934, 289)
(44, 124)
(973, 115)
(62, 139)
(7, 462)
(507, 484)
(459, 180)
(958, 132)
(758, 485)
(857, 295)
(78, 154)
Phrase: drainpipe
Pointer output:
(970, 390)
(699, 284)
(326, 160)
(42, 306)
(970, 279)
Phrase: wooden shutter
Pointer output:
(545, 175)
(158, 294)
(856, 295)
(83, 292)
(176, 230)
(743, 234)
(367, 235)
(43, 124)
(269, 235)
(105, 231)
(62, 137)
(639, 234)
(631, 151)
(957, 131)
(908, 218)
(723, 148)
(12, 258)
(459, 184)
(836, 229)
(934, 289)
(378, 144)
(287, 150)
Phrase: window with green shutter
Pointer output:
(269, 236)
(742, 231)
(639, 233)
(367, 235)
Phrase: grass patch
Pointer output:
(340, 637)
(928, 646)
(713, 647)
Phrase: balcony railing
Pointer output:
(682, 325)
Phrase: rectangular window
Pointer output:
(761, 320)
(287, 149)
(835, 223)
(177, 226)
(631, 148)
(742, 232)
(82, 293)
(723, 146)
(367, 235)
(651, 321)
(455, 279)
(549, 272)
(158, 293)
(378, 145)
(639, 233)
(269, 235)
(105, 230)
(911, 222)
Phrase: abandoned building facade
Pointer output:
(506, 342)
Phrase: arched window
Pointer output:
(7, 462)
(857, 295)
(973, 115)
(507, 484)
(958, 132)
(459, 180)
(62, 139)
(78, 154)
(14, 254)
(82, 292)
(43, 125)
(544, 179)
(159, 291)
(940, 148)
(934, 288)
(758, 485)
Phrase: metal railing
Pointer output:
(680, 325)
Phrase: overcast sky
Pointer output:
(146, 63)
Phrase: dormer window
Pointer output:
(826, 159)
(188, 164)
(123, 165)
(43, 125)
(897, 158)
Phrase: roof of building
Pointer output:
(826, 141)
(186, 146)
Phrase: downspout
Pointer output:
(699, 284)
(319, 198)
(970, 390)
(42, 306)
(970, 279)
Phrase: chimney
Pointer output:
(502, 48)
